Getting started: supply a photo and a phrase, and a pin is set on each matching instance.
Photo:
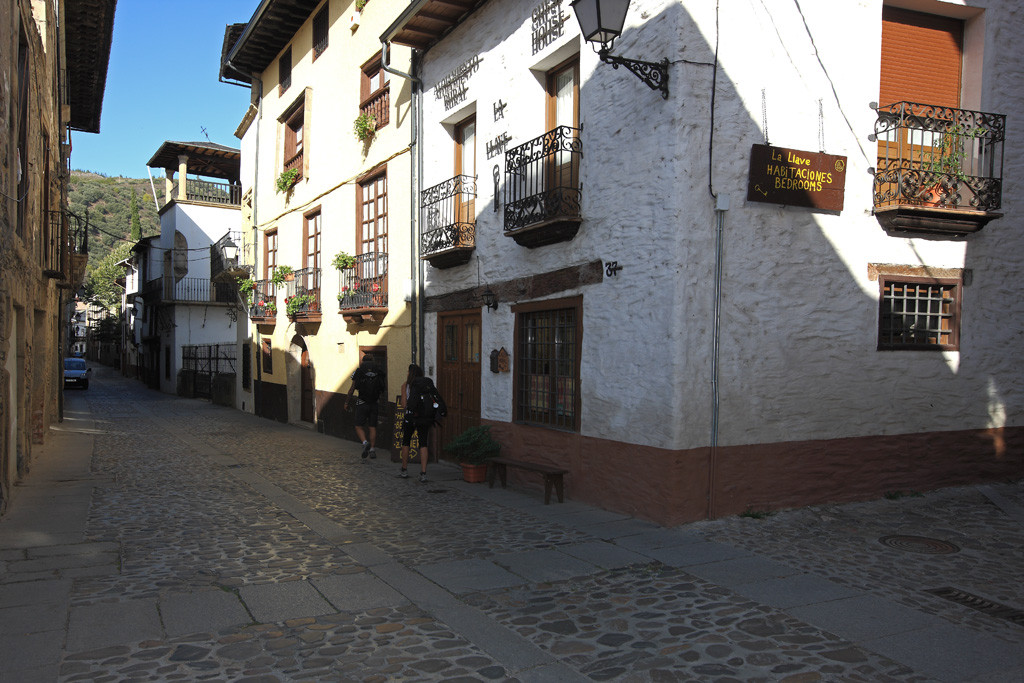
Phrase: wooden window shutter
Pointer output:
(921, 58)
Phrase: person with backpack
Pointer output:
(423, 407)
(368, 380)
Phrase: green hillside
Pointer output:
(106, 202)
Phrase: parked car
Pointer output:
(76, 373)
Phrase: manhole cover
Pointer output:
(920, 544)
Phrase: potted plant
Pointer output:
(472, 449)
(365, 126)
(946, 160)
(246, 286)
(343, 260)
(299, 303)
(282, 274)
(287, 180)
(270, 308)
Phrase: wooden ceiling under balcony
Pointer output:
(426, 22)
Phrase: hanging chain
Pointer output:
(821, 127)
(764, 116)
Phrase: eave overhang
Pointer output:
(270, 29)
(425, 22)
(204, 158)
(88, 34)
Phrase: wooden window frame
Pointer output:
(312, 218)
(267, 356)
(953, 313)
(321, 31)
(550, 95)
(284, 71)
(270, 254)
(367, 181)
(375, 98)
(523, 414)
(295, 132)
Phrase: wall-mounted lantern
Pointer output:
(601, 23)
(490, 299)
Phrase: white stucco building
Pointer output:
(758, 292)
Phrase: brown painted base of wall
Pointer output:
(271, 400)
(334, 420)
(673, 487)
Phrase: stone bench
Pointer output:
(552, 475)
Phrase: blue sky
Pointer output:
(162, 84)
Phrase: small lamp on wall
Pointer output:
(601, 23)
(490, 299)
(230, 252)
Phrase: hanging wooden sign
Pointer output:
(795, 178)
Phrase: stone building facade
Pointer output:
(52, 72)
(773, 287)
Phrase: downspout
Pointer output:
(416, 180)
(257, 358)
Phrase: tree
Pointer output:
(101, 283)
(136, 221)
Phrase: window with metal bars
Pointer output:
(547, 362)
(320, 32)
(919, 314)
(284, 71)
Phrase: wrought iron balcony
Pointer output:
(363, 288)
(302, 296)
(542, 188)
(263, 307)
(228, 194)
(939, 169)
(196, 290)
(448, 217)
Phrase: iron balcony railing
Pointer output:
(264, 299)
(938, 157)
(302, 294)
(364, 285)
(448, 215)
(542, 179)
(229, 194)
(196, 290)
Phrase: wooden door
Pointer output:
(458, 377)
(562, 110)
(306, 373)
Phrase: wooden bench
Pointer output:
(552, 475)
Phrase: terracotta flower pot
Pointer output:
(474, 474)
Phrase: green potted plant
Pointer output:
(298, 304)
(947, 160)
(282, 274)
(343, 260)
(287, 180)
(472, 449)
(365, 126)
(270, 308)
(246, 286)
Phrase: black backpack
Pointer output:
(369, 383)
(425, 403)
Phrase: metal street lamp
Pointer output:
(230, 252)
(601, 23)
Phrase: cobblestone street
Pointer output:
(220, 546)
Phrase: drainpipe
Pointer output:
(257, 358)
(721, 206)
(416, 181)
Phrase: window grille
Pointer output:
(320, 32)
(919, 314)
(547, 367)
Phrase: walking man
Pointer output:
(423, 406)
(368, 380)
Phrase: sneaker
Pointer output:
(366, 449)
(373, 454)
(423, 477)
(404, 474)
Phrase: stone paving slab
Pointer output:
(93, 627)
(864, 617)
(358, 592)
(545, 565)
(464, 576)
(700, 552)
(950, 653)
(213, 610)
(742, 570)
(29, 657)
(795, 591)
(273, 602)
(604, 554)
(32, 618)
(35, 592)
